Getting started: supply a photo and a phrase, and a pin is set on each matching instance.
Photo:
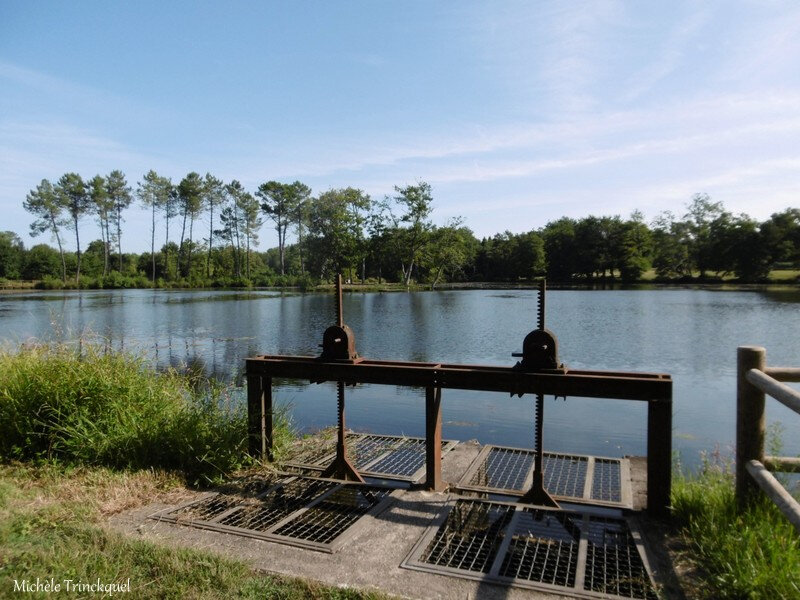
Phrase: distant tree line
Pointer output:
(211, 231)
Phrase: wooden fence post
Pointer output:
(750, 420)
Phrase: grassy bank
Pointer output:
(52, 524)
(755, 554)
(86, 435)
(111, 409)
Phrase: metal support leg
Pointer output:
(433, 439)
(659, 457)
(259, 417)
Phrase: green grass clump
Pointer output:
(753, 554)
(113, 409)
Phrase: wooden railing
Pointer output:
(754, 381)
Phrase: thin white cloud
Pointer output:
(671, 54)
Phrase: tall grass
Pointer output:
(113, 409)
(752, 554)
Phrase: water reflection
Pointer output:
(691, 334)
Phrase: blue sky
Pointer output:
(516, 113)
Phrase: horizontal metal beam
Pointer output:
(780, 391)
(776, 492)
(653, 387)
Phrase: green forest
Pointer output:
(210, 231)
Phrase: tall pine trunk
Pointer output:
(108, 246)
(105, 245)
(60, 250)
(78, 244)
(189, 247)
(281, 242)
(119, 239)
(210, 237)
(166, 248)
(180, 247)
(153, 244)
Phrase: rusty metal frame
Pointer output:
(653, 388)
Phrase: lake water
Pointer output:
(688, 333)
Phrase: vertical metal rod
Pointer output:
(433, 439)
(268, 424)
(542, 294)
(750, 420)
(537, 494)
(538, 461)
(341, 467)
(340, 443)
(339, 313)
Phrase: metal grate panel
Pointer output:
(565, 475)
(504, 468)
(401, 461)
(309, 512)
(363, 449)
(325, 521)
(470, 538)
(282, 502)
(207, 509)
(613, 564)
(385, 456)
(606, 481)
(543, 548)
(571, 477)
(563, 552)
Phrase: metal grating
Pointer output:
(563, 552)
(470, 537)
(401, 461)
(207, 509)
(613, 564)
(282, 502)
(504, 468)
(309, 512)
(571, 477)
(325, 521)
(606, 481)
(543, 548)
(565, 475)
(364, 449)
(384, 456)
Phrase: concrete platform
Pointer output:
(371, 557)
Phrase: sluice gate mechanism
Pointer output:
(559, 522)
